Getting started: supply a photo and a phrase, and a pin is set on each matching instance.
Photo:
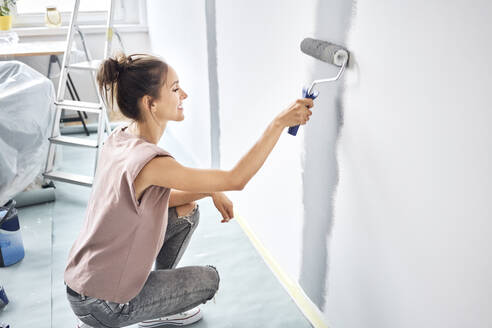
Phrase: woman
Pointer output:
(142, 207)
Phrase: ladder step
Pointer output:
(71, 141)
(82, 180)
(80, 106)
(92, 65)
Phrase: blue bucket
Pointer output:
(11, 246)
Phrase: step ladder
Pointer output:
(80, 106)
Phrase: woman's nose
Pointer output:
(184, 95)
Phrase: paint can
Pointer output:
(11, 246)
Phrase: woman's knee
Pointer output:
(200, 282)
(192, 216)
(212, 278)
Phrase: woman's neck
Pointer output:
(150, 132)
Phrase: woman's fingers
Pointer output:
(229, 214)
(306, 112)
(308, 102)
(223, 213)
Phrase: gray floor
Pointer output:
(249, 294)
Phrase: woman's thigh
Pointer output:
(165, 292)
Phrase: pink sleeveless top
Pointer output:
(120, 238)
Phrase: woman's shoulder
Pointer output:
(136, 149)
(122, 139)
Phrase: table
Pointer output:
(33, 48)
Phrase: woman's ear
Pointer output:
(148, 103)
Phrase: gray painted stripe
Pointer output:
(213, 82)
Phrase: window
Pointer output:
(39, 6)
(30, 13)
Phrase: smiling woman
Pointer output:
(129, 225)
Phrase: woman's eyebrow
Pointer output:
(175, 82)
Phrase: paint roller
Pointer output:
(327, 52)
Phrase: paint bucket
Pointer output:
(11, 246)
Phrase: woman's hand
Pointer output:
(224, 205)
(297, 113)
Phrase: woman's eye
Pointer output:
(176, 89)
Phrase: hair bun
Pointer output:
(120, 62)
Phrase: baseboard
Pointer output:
(307, 307)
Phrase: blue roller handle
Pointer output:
(293, 129)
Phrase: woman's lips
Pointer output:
(180, 107)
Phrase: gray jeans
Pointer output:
(167, 290)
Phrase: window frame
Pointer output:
(91, 18)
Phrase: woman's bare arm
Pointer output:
(250, 163)
(165, 171)
(189, 179)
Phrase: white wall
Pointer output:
(261, 71)
(411, 240)
(177, 31)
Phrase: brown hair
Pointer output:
(130, 78)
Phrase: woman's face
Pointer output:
(169, 106)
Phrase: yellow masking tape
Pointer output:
(310, 311)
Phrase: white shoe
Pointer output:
(81, 324)
(180, 319)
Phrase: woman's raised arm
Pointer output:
(166, 172)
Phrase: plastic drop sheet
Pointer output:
(26, 113)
